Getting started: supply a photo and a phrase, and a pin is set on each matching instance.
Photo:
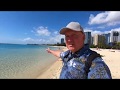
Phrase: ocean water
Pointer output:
(24, 61)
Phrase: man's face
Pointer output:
(74, 40)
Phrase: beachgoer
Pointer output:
(76, 60)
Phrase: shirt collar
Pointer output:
(81, 51)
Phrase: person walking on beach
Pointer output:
(79, 61)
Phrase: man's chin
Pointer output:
(71, 49)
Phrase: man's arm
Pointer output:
(54, 52)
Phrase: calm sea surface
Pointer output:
(24, 61)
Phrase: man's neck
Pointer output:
(80, 49)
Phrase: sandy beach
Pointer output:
(53, 72)
(111, 58)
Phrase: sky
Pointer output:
(42, 27)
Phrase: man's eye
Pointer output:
(74, 35)
(66, 36)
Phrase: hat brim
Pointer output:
(63, 30)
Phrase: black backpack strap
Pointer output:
(90, 58)
(66, 56)
(68, 52)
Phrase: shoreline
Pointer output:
(53, 70)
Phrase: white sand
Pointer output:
(112, 59)
(53, 72)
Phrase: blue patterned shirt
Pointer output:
(74, 64)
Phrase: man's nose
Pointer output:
(70, 39)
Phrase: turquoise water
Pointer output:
(24, 61)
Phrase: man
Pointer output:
(76, 59)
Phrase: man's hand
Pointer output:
(54, 52)
(48, 50)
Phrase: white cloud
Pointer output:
(98, 19)
(88, 30)
(33, 41)
(55, 32)
(106, 32)
(53, 37)
(93, 32)
(57, 38)
(28, 39)
(97, 32)
(42, 31)
(109, 17)
(116, 29)
(51, 40)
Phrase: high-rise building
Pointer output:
(95, 39)
(92, 40)
(107, 38)
(62, 41)
(101, 40)
(115, 36)
(119, 36)
(87, 38)
(98, 39)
